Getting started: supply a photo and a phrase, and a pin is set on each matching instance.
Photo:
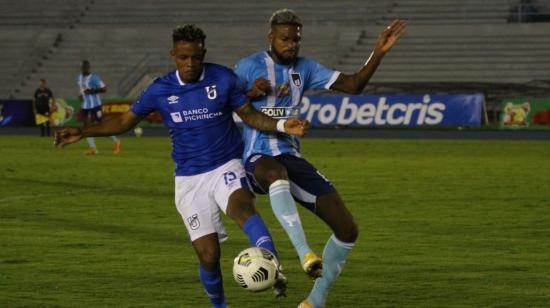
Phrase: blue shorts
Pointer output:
(91, 115)
(306, 182)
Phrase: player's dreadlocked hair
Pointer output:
(285, 17)
(188, 33)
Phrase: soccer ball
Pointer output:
(138, 131)
(255, 269)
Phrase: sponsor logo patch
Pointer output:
(194, 222)
(279, 112)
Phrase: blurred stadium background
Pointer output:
(445, 223)
(498, 48)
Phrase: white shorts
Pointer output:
(199, 198)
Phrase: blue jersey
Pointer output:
(199, 116)
(288, 85)
(90, 81)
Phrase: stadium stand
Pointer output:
(449, 11)
(32, 13)
(506, 53)
(451, 45)
(241, 12)
(22, 52)
(115, 53)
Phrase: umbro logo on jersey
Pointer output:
(173, 100)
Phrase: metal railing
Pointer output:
(133, 75)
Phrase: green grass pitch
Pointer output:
(442, 224)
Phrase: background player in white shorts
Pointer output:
(90, 87)
(196, 103)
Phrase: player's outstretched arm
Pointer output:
(260, 121)
(354, 84)
(111, 126)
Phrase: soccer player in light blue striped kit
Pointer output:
(196, 102)
(276, 80)
(90, 86)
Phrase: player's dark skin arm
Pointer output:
(112, 126)
(109, 127)
(355, 83)
(260, 121)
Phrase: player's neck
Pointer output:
(181, 79)
(277, 59)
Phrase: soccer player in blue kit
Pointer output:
(276, 80)
(196, 102)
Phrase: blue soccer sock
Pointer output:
(284, 208)
(334, 258)
(258, 235)
(213, 284)
(91, 142)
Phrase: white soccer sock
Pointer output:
(284, 208)
(334, 258)
(91, 142)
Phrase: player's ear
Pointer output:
(203, 53)
(172, 54)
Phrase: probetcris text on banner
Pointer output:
(393, 110)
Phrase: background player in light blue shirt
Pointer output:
(90, 86)
(276, 80)
(196, 103)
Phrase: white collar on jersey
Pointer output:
(183, 83)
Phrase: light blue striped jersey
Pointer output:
(288, 85)
(90, 81)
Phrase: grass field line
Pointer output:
(38, 196)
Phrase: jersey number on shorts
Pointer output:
(229, 177)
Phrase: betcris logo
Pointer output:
(280, 112)
(393, 110)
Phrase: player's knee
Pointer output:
(275, 174)
(354, 233)
(241, 206)
(209, 259)
(349, 233)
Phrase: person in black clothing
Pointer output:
(43, 104)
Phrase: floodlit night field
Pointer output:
(443, 223)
